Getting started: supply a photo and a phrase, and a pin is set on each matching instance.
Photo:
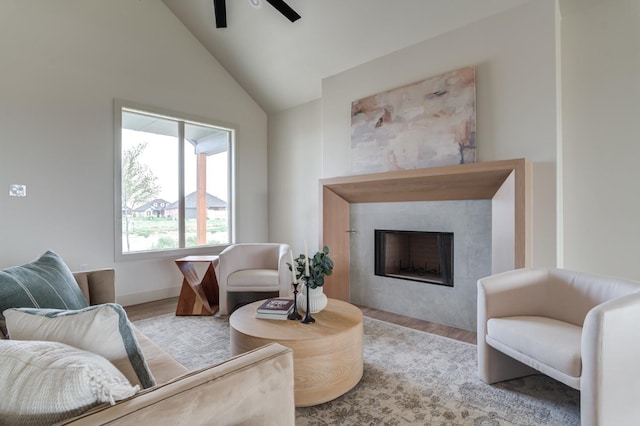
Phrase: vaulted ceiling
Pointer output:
(282, 64)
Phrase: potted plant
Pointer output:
(318, 266)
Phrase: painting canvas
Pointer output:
(425, 124)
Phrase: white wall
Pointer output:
(600, 90)
(517, 92)
(63, 63)
(515, 58)
(295, 159)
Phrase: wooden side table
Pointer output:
(327, 355)
(198, 296)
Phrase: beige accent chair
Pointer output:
(580, 329)
(253, 267)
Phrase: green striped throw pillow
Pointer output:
(46, 282)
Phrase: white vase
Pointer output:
(317, 301)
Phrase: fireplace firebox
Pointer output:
(415, 255)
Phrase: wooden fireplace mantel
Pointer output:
(505, 182)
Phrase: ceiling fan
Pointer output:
(220, 10)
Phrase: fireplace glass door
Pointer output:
(415, 255)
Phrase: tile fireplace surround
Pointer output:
(504, 184)
(470, 222)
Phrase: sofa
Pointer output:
(253, 388)
(580, 329)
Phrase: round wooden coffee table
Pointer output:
(327, 355)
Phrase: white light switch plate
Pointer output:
(17, 190)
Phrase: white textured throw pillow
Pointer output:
(47, 382)
(102, 329)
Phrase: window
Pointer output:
(173, 180)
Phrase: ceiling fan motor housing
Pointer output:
(220, 10)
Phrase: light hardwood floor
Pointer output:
(166, 306)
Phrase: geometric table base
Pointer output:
(198, 296)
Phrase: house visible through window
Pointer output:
(174, 182)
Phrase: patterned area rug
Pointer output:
(410, 377)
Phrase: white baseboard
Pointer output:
(147, 296)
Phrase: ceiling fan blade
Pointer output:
(284, 8)
(220, 10)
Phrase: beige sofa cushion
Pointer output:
(539, 342)
(253, 277)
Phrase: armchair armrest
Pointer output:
(255, 388)
(284, 274)
(610, 354)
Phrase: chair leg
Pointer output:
(495, 366)
(223, 308)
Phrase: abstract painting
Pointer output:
(425, 124)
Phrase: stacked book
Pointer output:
(277, 309)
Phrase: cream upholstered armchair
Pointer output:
(581, 329)
(253, 267)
